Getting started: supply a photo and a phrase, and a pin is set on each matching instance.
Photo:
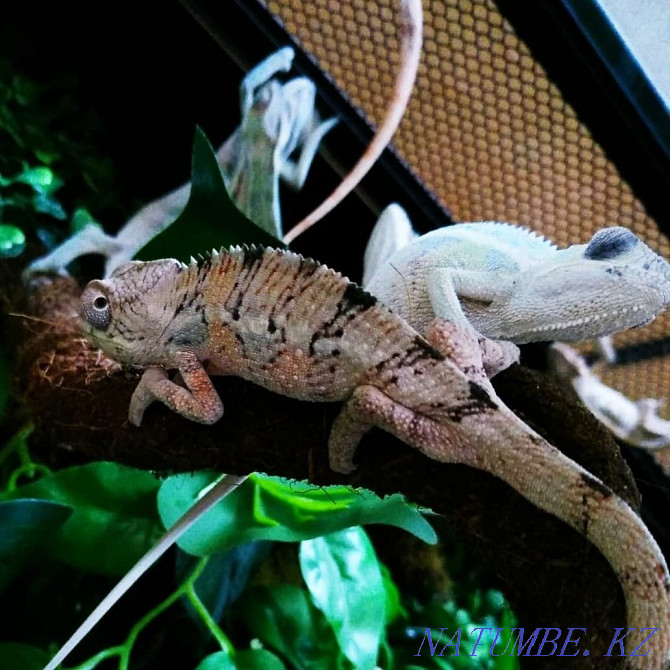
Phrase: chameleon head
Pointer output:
(612, 283)
(127, 314)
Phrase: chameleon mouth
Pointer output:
(635, 314)
(100, 339)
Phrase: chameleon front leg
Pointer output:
(445, 285)
(279, 61)
(199, 401)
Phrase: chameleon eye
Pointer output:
(95, 307)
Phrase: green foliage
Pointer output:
(342, 574)
(247, 659)
(27, 198)
(44, 127)
(257, 659)
(12, 241)
(22, 657)
(5, 380)
(107, 501)
(469, 606)
(284, 617)
(27, 526)
(47, 142)
(272, 508)
(458, 651)
(210, 220)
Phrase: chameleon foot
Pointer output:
(198, 402)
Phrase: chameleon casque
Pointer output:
(300, 329)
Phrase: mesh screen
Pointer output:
(486, 130)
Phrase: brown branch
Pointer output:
(79, 399)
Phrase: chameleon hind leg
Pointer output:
(366, 408)
(370, 407)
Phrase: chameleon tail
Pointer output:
(558, 485)
(221, 489)
(491, 438)
(510, 450)
(409, 57)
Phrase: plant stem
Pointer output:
(186, 588)
(213, 627)
(92, 662)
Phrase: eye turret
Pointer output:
(609, 243)
(95, 307)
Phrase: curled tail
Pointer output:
(558, 485)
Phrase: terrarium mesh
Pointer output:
(486, 130)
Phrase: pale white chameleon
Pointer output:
(634, 422)
(277, 120)
(506, 283)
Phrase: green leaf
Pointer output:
(15, 656)
(248, 659)
(219, 660)
(344, 580)
(272, 508)
(283, 617)
(393, 608)
(80, 219)
(12, 241)
(210, 219)
(42, 180)
(25, 526)
(47, 205)
(257, 659)
(114, 520)
(450, 616)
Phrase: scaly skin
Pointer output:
(299, 329)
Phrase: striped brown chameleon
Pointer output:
(300, 329)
